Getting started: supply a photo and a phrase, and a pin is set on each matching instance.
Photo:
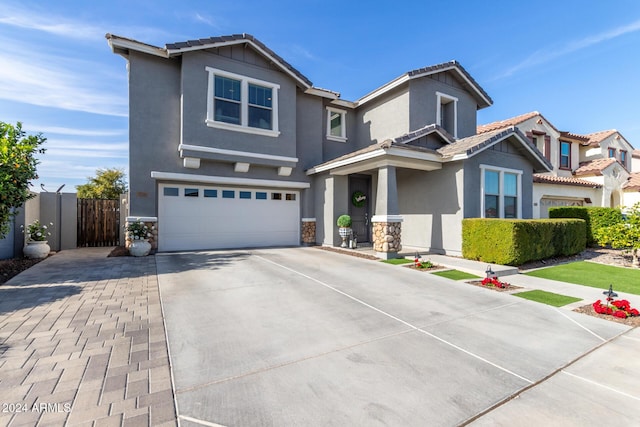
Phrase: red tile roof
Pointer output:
(636, 154)
(633, 183)
(594, 167)
(513, 121)
(563, 180)
(596, 138)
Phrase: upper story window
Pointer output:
(447, 113)
(336, 124)
(242, 103)
(501, 190)
(623, 158)
(542, 141)
(612, 152)
(565, 155)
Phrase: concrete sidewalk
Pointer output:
(82, 342)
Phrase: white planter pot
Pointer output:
(344, 233)
(139, 248)
(36, 249)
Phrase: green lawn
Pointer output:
(549, 298)
(397, 261)
(455, 275)
(594, 275)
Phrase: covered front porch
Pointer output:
(364, 185)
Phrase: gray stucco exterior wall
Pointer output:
(154, 126)
(504, 154)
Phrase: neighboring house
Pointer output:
(230, 146)
(588, 170)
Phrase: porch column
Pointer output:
(387, 227)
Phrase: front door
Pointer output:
(359, 206)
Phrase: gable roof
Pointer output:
(594, 167)
(633, 183)
(472, 145)
(513, 121)
(429, 129)
(123, 45)
(468, 82)
(595, 138)
(564, 180)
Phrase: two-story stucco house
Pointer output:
(588, 170)
(230, 146)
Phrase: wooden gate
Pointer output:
(98, 222)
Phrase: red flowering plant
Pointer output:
(420, 264)
(618, 308)
(494, 283)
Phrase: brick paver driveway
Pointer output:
(82, 342)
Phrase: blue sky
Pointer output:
(576, 62)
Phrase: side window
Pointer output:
(447, 113)
(336, 124)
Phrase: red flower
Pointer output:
(633, 312)
(621, 314)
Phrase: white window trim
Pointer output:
(501, 171)
(343, 114)
(244, 100)
(443, 96)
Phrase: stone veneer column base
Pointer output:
(152, 223)
(387, 241)
(308, 231)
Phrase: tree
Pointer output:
(624, 235)
(107, 184)
(17, 169)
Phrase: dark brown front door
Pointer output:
(359, 206)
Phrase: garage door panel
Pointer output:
(187, 223)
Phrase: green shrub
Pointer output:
(595, 218)
(514, 242)
(344, 221)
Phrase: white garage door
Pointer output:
(192, 217)
(547, 202)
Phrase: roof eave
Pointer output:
(122, 46)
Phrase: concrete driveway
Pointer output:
(300, 336)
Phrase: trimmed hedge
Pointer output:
(516, 241)
(594, 217)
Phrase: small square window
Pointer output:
(210, 193)
(245, 194)
(190, 192)
(261, 195)
(170, 191)
(228, 194)
(276, 196)
(290, 196)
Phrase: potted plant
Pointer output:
(344, 228)
(139, 234)
(36, 246)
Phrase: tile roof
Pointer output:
(446, 65)
(582, 139)
(636, 154)
(513, 121)
(633, 183)
(221, 40)
(563, 180)
(596, 138)
(594, 167)
(424, 131)
(477, 143)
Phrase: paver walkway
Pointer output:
(85, 347)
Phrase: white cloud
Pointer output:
(205, 19)
(57, 25)
(548, 54)
(57, 130)
(30, 76)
